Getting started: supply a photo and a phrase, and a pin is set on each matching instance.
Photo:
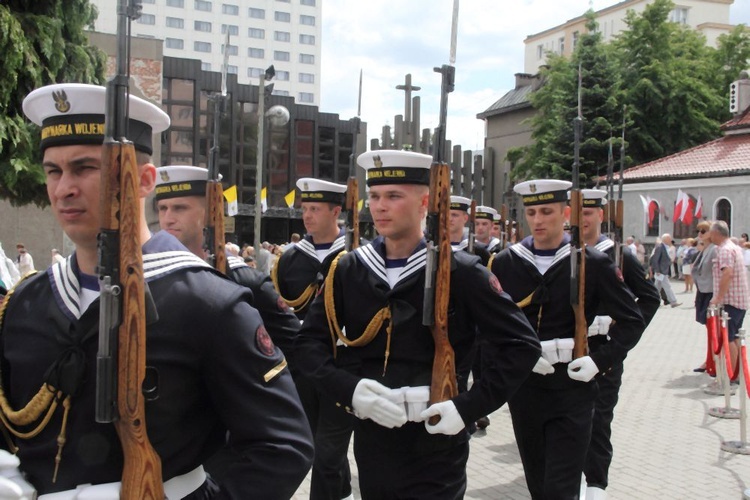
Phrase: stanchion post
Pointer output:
(740, 447)
(722, 378)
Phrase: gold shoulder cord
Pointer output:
(300, 302)
(372, 329)
(489, 262)
(46, 400)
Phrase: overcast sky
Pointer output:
(389, 38)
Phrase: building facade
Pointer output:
(285, 33)
(710, 17)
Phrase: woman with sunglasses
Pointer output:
(701, 274)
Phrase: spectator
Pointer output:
(702, 274)
(263, 258)
(688, 256)
(24, 261)
(679, 254)
(672, 252)
(295, 238)
(9, 274)
(730, 284)
(661, 263)
(640, 252)
(56, 257)
(630, 242)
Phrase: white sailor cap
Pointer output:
(390, 166)
(460, 203)
(73, 113)
(176, 181)
(484, 212)
(321, 191)
(542, 191)
(595, 198)
(497, 218)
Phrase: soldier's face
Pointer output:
(456, 223)
(546, 223)
(592, 223)
(483, 228)
(184, 218)
(398, 209)
(73, 175)
(318, 217)
(495, 233)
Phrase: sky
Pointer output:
(387, 39)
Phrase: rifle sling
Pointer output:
(300, 302)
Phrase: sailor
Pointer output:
(552, 410)
(457, 222)
(373, 301)
(599, 456)
(483, 227)
(210, 360)
(298, 275)
(180, 198)
(497, 230)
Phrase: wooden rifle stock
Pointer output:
(578, 275)
(505, 237)
(352, 214)
(443, 386)
(472, 226)
(121, 215)
(215, 225)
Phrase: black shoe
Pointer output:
(483, 423)
(700, 369)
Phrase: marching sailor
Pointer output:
(483, 227)
(372, 301)
(552, 410)
(599, 456)
(214, 366)
(457, 222)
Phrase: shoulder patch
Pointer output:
(264, 342)
(495, 284)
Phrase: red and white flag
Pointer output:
(687, 219)
(699, 207)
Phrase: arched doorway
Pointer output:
(723, 211)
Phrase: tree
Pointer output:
(41, 42)
(731, 57)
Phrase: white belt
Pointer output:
(414, 399)
(558, 350)
(175, 489)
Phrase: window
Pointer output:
(723, 211)
(280, 92)
(205, 66)
(575, 40)
(202, 47)
(282, 76)
(232, 49)
(256, 53)
(254, 72)
(311, 3)
(233, 30)
(307, 59)
(306, 97)
(203, 5)
(147, 19)
(256, 13)
(174, 43)
(148, 1)
(306, 78)
(562, 45)
(285, 1)
(232, 10)
(176, 3)
(232, 69)
(679, 15)
(280, 55)
(202, 26)
(653, 219)
(539, 51)
(175, 22)
(282, 36)
(256, 33)
(282, 17)
(307, 39)
(307, 20)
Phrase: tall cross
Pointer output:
(407, 87)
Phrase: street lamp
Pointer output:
(267, 75)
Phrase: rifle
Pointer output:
(121, 360)
(213, 232)
(438, 263)
(577, 246)
(352, 186)
(472, 225)
(620, 206)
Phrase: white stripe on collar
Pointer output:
(526, 254)
(234, 262)
(307, 248)
(604, 245)
(68, 288)
(160, 264)
(460, 246)
(376, 264)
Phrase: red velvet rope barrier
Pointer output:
(727, 355)
(745, 369)
(712, 324)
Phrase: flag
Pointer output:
(263, 202)
(289, 198)
(653, 211)
(360, 204)
(230, 194)
(699, 207)
(687, 219)
(685, 208)
(678, 206)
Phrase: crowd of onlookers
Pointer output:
(265, 257)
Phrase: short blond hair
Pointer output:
(705, 224)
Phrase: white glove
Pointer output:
(594, 327)
(450, 423)
(543, 367)
(582, 369)
(13, 486)
(370, 400)
(416, 399)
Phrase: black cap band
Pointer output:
(544, 198)
(485, 215)
(459, 206)
(68, 130)
(180, 189)
(323, 197)
(593, 202)
(398, 175)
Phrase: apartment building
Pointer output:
(710, 17)
(285, 33)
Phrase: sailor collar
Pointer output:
(234, 262)
(604, 243)
(462, 245)
(372, 255)
(163, 254)
(307, 246)
(525, 249)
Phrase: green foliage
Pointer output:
(42, 42)
(674, 87)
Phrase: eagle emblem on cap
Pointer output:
(305, 186)
(377, 161)
(532, 187)
(164, 175)
(61, 101)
